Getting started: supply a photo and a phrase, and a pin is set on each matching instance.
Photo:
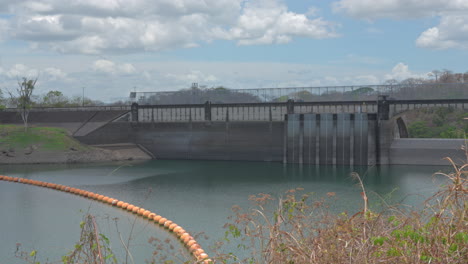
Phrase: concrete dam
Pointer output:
(341, 133)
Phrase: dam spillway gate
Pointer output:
(329, 139)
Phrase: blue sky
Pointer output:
(111, 47)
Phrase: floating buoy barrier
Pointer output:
(183, 236)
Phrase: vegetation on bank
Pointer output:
(437, 122)
(301, 230)
(296, 229)
(39, 138)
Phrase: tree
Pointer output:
(436, 74)
(54, 99)
(2, 101)
(25, 90)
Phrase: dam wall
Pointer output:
(249, 141)
(342, 139)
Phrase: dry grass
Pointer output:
(300, 230)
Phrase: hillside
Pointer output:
(439, 122)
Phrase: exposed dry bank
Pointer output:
(54, 145)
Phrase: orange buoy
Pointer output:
(187, 239)
(167, 223)
(198, 251)
(184, 236)
(194, 247)
(141, 211)
(156, 218)
(172, 226)
(191, 242)
(162, 221)
(207, 261)
(146, 213)
(177, 229)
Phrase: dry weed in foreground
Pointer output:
(93, 247)
(299, 230)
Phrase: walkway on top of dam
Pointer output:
(277, 111)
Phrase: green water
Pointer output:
(197, 195)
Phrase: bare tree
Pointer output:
(25, 90)
(436, 74)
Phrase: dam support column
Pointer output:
(360, 148)
(384, 131)
(134, 112)
(343, 139)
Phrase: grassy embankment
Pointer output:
(13, 137)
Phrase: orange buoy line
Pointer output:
(190, 243)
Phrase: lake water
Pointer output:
(198, 195)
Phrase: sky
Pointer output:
(109, 48)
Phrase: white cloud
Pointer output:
(54, 74)
(95, 27)
(194, 76)
(19, 71)
(452, 32)
(401, 72)
(110, 67)
(4, 29)
(267, 22)
(371, 9)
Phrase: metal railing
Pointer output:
(79, 108)
(305, 94)
(277, 111)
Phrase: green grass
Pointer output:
(45, 138)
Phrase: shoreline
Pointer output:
(90, 155)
